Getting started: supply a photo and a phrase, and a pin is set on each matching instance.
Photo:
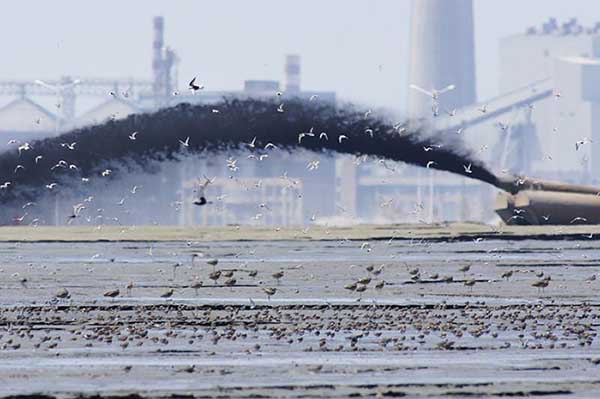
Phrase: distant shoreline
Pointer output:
(437, 232)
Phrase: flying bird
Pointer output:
(194, 87)
(434, 94)
(252, 144)
(185, 143)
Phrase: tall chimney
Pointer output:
(292, 73)
(158, 86)
(442, 53)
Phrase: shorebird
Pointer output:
(112, 293)
(214, 276)
(213, 262)
(196, 285)
(507, 275)
(270, 291)
(464, 269)
(277, 275)
(541, 284)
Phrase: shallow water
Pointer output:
(313, 338)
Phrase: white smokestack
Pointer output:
(442, 54)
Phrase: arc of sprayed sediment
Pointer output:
(160, 134)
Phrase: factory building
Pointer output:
(545, 122)
(299, 197)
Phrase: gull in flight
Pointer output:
(61, 164)
(468, 168)
(133, 136)
(185, 143)
(51, 186)
(232, 164)
(580, 143)
(106, 172)
(342, 137)
(38, 158)
(270, 145)
(69, 146)
(280, 108)
(302, 135)
(313, 97)
(430, 164)
(76, 211)
(323, 135)
(24, 147)
(434, 94)
(252, 144)
(578, 219)
(5, 185)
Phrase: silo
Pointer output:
(442, 53)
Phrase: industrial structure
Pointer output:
(294, 199)
(544, 124)
(442, 53)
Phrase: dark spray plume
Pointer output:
(220, 127)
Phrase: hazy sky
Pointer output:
(224, 42)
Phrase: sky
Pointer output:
(357, 48)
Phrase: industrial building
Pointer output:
(302, 196)
(544, 124)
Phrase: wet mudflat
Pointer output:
(337, 318)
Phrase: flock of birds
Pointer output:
(259, 152)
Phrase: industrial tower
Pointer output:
(441, 54)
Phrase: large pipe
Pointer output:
(515, 184)
(534, 202)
